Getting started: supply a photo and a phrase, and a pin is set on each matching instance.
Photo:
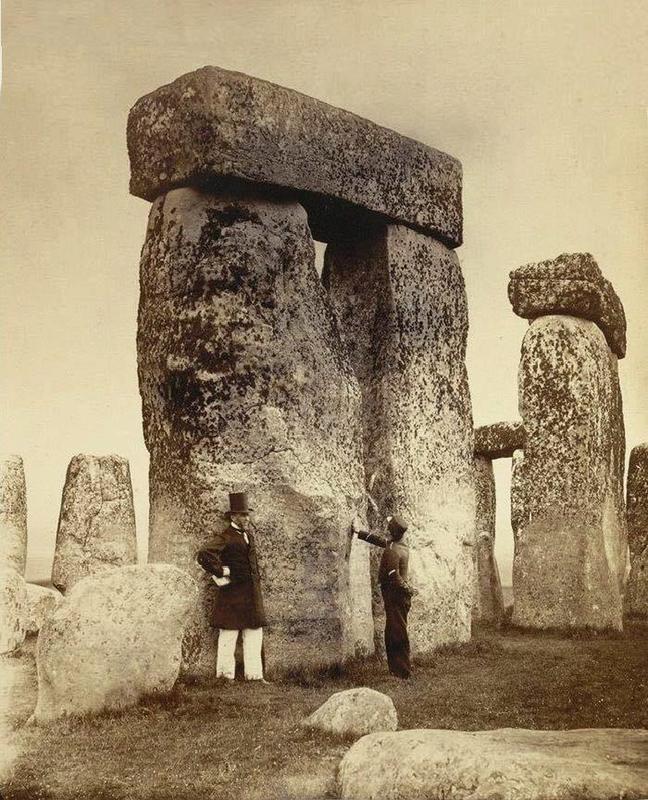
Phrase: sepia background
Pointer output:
(544, 104)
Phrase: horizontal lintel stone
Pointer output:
(213, 128)
(499, 440)
(570, 284)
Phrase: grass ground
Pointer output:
(214, 741)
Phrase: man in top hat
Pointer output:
(396, 592)
(230, 558)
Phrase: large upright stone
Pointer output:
(570, 284)
(96, 529)
(636, 596)
(569, 563)
(488, 600)
(13, 609)
(401, 304)
(13, 514)
(246, 384)
(212, 127)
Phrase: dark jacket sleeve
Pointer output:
(373, 538)
(209, 557)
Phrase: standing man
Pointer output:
(396, 592)
(230, 559)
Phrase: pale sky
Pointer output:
(544, 104)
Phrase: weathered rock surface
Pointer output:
(13, 514)
(570, 549)
(401, 305)
(211, 126)
(96, 529)
(354, 713)
(13, 609)
(246, 385)
(41, 602)
(488, 601)
(518, 506)
(570, 284)
(597, 764)
(499, 440)
(636, 596)
(115, 638)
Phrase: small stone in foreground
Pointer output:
(354, 713)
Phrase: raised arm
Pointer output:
(372, 538)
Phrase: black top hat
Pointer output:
(238, 503)
(397, 527)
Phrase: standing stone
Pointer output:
(636, 596)
(41, 602)
(488, 600)
(13, 514)
(517, 492)
(115, 637)
(246, 384)
(401, 304)
(96, 529)
(13, 610)
(569, 562)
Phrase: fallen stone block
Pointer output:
(597, 764)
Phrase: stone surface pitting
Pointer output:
(570, 284)
(636, 596)
(115, 638)
(246, 385)
(499, 440)
(570, 546)
(41, 602)
(401, 305)
(96, 529)
(488, 600)
(13, 609)
(213, 125)
(354, 713)
(13, 514)
(598, 764)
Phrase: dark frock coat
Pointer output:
(239, 604)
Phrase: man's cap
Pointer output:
(397, 525)
(238, 503)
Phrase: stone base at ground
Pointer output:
(13, 610)
(96, 529)
(13, 514)
(41, 602)
(597, 764)
(114, 638)
(354, 713)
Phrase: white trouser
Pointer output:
(252, 641)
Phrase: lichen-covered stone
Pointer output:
(488, 600)
(246, 385)
(115, 638)
(354, 713)
(41, 602)
(212, 126)
(518, 508)
(13, 514)
(401, 304)
(13, 609)
(508, 764)
(499, 440)
(636, 596)
(570, 284)
(96, 529)
(570, 547)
